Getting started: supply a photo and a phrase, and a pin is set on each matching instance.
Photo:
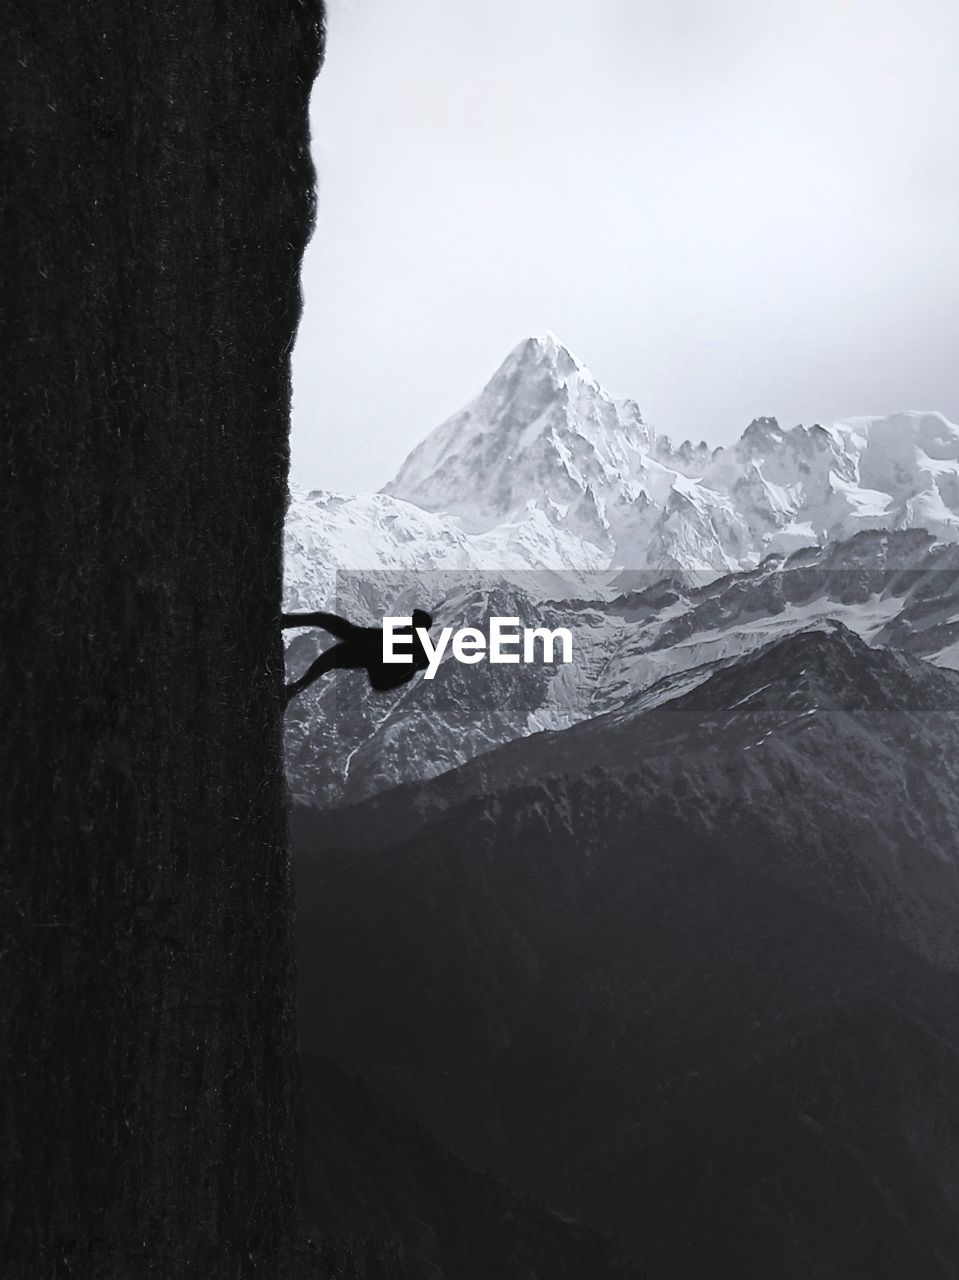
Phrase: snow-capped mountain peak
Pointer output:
(545, 468)
(543, 429)
(546, 349)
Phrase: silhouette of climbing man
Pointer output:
(359, 649)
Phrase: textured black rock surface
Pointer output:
(157, 194)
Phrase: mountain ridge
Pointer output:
(631, 963)
(546, 469)
(648, 644)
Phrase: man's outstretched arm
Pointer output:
(330, 622)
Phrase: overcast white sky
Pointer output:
(725, 207)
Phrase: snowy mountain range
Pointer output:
(546, 470)
(548, 500)
(643, 648)
(626, 930)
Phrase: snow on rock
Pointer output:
(546, 464)
(645, 647)
(395, 541)
(542, 428)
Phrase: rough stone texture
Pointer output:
(157, 194)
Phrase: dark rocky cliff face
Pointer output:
(156, 199)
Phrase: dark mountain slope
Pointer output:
(689, 973)
(843, 754)
(380, 1181)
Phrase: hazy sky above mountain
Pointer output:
(727, 208)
